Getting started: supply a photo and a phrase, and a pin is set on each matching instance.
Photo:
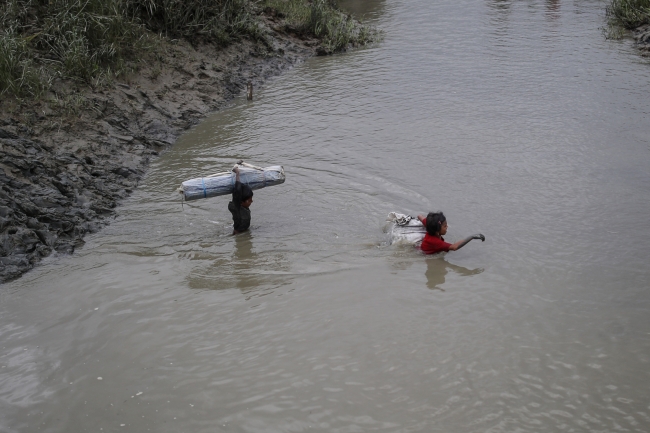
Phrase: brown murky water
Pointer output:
(518, 119)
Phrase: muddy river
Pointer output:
(519, 120)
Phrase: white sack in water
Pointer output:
(405, 229)
(224, 183)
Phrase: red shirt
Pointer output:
(431, 244)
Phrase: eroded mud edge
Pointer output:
(63, 175)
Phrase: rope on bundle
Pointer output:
(210, 186)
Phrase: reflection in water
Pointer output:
(437, 269)
(500, 6)
(553, 9)
(243, 267)
(499, 13)
(553, 5)
(243, 251)
(500, 9)
(362, 9)
(244, 262)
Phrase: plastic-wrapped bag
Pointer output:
(404, 229)
(223, 183)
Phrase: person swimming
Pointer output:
(436, 225)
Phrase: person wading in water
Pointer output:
(242, 198)
(433, 242)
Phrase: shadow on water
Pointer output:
(438, 268)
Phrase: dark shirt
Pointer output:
(241, 216)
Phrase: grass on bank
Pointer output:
(18, 72)
(322, 19)
(87, 40)
(628, 14)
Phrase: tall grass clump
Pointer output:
(220, 21)
(77, 39)
(19, 76)
(86, 39)
(629, 14)
(322, 19)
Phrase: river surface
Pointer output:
(518, 119)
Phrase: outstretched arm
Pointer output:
(423, 219)
(460, 244)
(236, 191)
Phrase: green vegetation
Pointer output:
(88, 40)
(322, 19)
(18, 73)
(629, 14)
(220, 21)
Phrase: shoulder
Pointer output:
(432, 239)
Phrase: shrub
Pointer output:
(322, 19)
(220, 21)
(629, 14)
(18, 74)
(86, 36)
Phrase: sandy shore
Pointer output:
(66, 163)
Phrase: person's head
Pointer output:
(246, 196)
(436, 224)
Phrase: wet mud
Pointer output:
(642, 39)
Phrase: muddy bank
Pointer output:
(642, 39)
(66, 163)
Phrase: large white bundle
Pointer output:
(404, 229)
(223, 183)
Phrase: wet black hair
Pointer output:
(246, 192)
(434, 222)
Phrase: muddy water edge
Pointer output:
(68, 159)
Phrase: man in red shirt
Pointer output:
(433, 242)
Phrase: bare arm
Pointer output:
(236, 192)
(423, 220)
(460, 244)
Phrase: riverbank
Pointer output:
(642, 39)
(631, 16)
(69, 157)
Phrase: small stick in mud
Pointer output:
(249, 91)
